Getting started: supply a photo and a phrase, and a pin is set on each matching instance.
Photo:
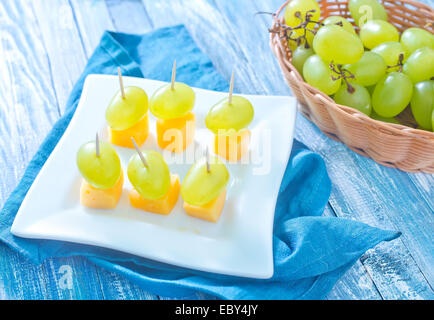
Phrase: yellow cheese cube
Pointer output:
(139, 132)
(177, 134)
(163, 205)
(232, 147)
(210, 211)
(101, 198)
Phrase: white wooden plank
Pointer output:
(129, 16)
(28, 110)
(28, 93)
(28, 104)
(19, 279)
(241, 18)
(92, 18)
(117, 287)
(212, 34)
(70, 279)
(425, 184)
(63, 45)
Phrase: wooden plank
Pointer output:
(71, 278)
(355, 284)
(19, 279)
(129, 16)
(26, 115)
(28, 108)
(425, 183)
(63, 45)
(117, 287)
(92, 19)
(253, 40)
(209, 29)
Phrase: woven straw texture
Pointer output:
(392, 145)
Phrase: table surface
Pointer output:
(44, 46)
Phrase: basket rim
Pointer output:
(412, 2)
(395, 129)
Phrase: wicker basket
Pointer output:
(392, 145)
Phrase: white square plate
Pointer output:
(239, 244)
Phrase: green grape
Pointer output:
(166, 103)
(301, 6)
(152, 181)
(225, 116)
(318, 74)
(364, 10)
(300, 56)
(200, 186)
(420, 65)
(392, 94)
(375, 32)
(368, 70)
(338, 19)
(422, 103)
(390, 52)
(292, 45)
(123, 113)
(416, 38)
(101, 172)
(384, 119)
(371, 89)
(334, 43)
(359, 99)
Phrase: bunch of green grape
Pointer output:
(377, 70)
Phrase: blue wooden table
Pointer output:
(44, 46)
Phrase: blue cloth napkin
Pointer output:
(310, 252)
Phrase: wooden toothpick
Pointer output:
(97, 145)
(231, 88)
(208, 168)
(142, 157)
(121, 83)
(173, 75)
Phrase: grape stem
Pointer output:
(285, 31)
(344, 74)
(399, 64)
